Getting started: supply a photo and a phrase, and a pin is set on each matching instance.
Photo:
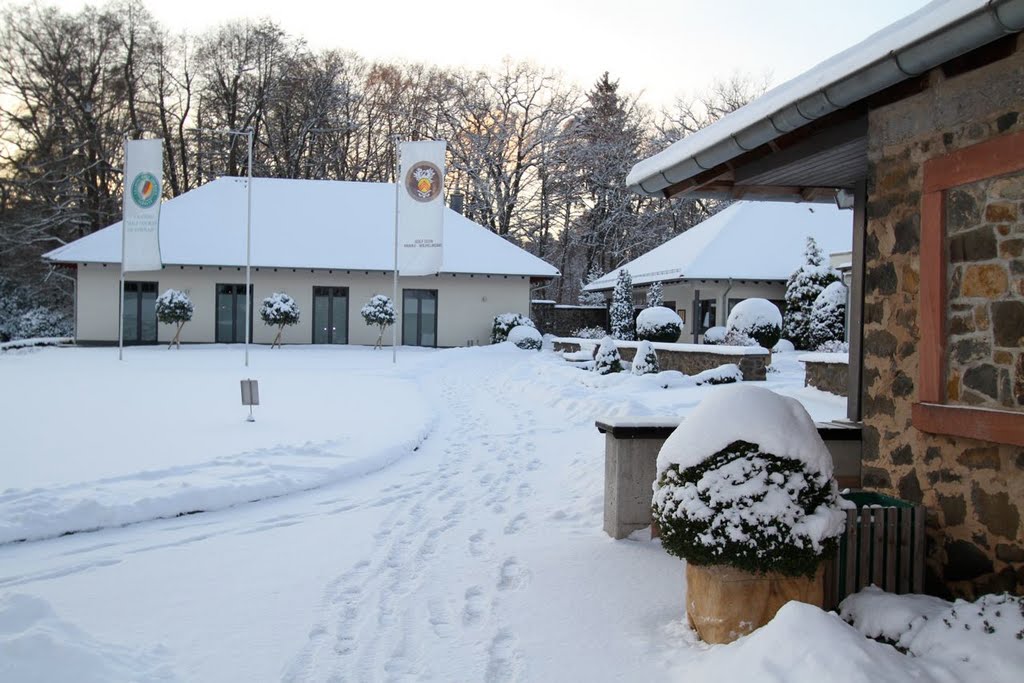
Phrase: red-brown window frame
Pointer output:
(988, 159)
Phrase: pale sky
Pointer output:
(657, 47)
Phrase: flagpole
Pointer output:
(394, 299)
(248, 253)
(124, 229)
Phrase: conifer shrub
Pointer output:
(621, 312)
(526, 337)
(503, 324)
(802, 290)
(655, 295)
(645, 362)
(828, 316)
(659, 324)
(607, 360)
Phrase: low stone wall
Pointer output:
(828, 374)
(691, 359)
(561, 320)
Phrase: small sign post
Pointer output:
(250, 396)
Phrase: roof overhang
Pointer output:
(807, 138)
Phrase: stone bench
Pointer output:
(631, 449)
(689, 359)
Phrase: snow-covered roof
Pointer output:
(302, 224)
(770, 115)
(746, 241)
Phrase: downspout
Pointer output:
(725, 300)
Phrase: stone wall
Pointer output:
(562, 321)
(752, 365)
(830, 377)
(973, 490)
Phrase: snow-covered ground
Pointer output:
(438, 519)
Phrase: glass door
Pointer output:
(231, 314)
(330, 315)
(139, 312)
(419, 317)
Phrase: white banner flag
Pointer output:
(143, 181)
(420, 221)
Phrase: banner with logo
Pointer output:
(143, 180)
(420, 218)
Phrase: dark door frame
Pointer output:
(331, 293)
(418, 295)
(136, 334)
(236, 294)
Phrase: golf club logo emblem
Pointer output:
(145, 190)
(423, 181)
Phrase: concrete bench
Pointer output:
(631, 449)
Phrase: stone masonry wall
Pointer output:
(830, 377)
(973, 490)
(562, 321)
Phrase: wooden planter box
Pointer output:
(723, 603)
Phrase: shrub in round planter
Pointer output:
(659, 324)
(526, 337)
(745, 483)
(759, 319)
(503, 324)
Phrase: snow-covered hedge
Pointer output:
(659, 324)
(607, 359)
(758, 319)
(40, 322)
(503, 324)
(753, 490)
(645, 362)
(715, 335)
(589, 333)
(783, 346)
(526, 337)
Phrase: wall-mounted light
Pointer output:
(844, 199)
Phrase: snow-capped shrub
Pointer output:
(41, 322)
(607, 359)
(645, 362)
(758, 319)
(655, 295)
(279, 310)
(802, 290)
(526, 337)
(828, 315)
(723, 374)
(589, 333)
(173, 307)
(737, 338)
(659, 324)
(753, 490)
(834, 347)
(621, 312)
(715, 335)
(378, 312)
(783, 346)
(503, 324)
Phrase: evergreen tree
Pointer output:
(622, 307)
(591, 298)
(607, 359)
(803, 288)
(828, 315)
(655, 295)
(645, 362)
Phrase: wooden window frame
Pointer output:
(989, 159)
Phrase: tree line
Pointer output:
(534, 158)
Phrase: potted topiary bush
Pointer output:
(503, 324)
(279, 310)
(758, 319)
(745, 494)
(379, 312)
(659, 324)
(173, 307)
(526, 337)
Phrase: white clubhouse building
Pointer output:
(328, 244)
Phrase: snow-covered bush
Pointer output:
(659, 324)
(503, 324)
(40, 322)
(723, 374)
(589, 333)
(753, 490)
(645, 362)
(591, 298)
(526, 337)
(621, 312)
(834, 347)
(378, 312)
(715, 335)
(783, 346)
(173, 307)
(607, 359)
(279, 310)
(802, 290)
(758, 319)
(828, 315)
(655, 295)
